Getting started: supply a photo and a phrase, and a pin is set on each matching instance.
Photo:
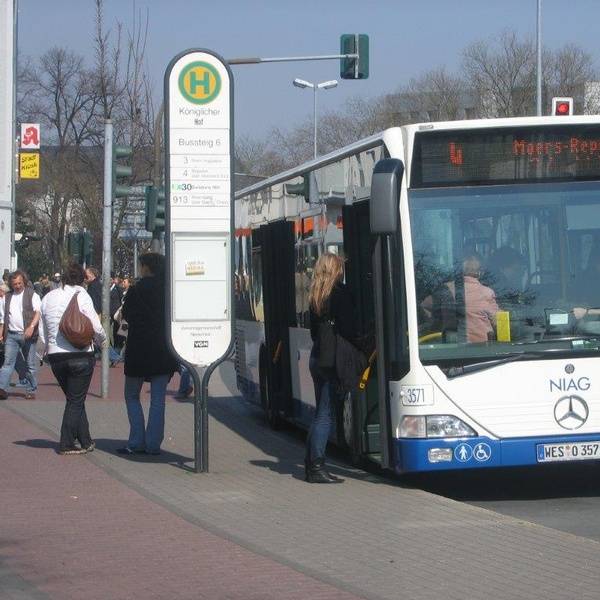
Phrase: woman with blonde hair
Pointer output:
(331, 309)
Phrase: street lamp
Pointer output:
(324, 85)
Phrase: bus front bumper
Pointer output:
(412, 455)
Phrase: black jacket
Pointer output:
(94, 289)
(342, 310)
(116, 294)
(146, 351)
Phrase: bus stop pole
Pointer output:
(200, 421)
(201, 377)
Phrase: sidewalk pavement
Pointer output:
(105, 526)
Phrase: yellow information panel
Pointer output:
(29, 163)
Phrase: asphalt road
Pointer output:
(564, 497)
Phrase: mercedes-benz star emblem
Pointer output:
(571, 412)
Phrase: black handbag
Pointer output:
(327, 344)
(350, 364)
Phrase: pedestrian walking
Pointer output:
(94, 288)
(116, 295)
(73, 367)
(19, 318)
(147, 357)
(331, 311)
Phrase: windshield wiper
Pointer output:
(564, 338)
(489, 364)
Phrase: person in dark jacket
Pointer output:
(94, 288)
(147, 357)
(115, 300)
(329, 300)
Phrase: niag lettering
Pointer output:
(564, 384)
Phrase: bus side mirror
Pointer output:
(384, 207)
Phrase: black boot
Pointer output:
(316, 473)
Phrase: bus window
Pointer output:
(519, 252)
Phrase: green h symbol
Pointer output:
(204, 82)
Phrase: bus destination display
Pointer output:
(495, 156)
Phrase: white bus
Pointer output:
(473, 253)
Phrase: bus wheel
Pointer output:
(348, 421)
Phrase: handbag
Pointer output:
(350, 364)
(75, 326)
(327, 344)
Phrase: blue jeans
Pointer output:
(319, 431)
(184, 380)
(141, 437)
(13, 344)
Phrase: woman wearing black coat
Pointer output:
(329, 300)
(147, 356)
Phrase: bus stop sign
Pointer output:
(199, 205)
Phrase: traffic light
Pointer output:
(307, 188)
(299, 189)
(119, 171)
(75, 246)
(155, 208)
(562, 107)
(354, 68)
(80, 246)
(87, 247)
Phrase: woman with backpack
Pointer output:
(331, 313)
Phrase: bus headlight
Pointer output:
(442, 426)
(433, 426)
(412, 426)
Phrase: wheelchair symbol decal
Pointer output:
(482, 452)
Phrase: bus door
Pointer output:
(277, 248)
(361, 427)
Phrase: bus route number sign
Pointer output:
(199, 205)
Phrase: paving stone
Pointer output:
(370, 536)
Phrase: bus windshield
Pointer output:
(501, 270)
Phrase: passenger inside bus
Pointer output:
(589, 288)
(504, 275)
(464, 309)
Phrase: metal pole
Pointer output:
(15, 157)
(157, 180)
(254, 60)
(315, 120)
(539, 58)
(201, 378)
(106, 247)
(135, 258)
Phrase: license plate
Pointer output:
(570, 451)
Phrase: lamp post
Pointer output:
(539, 59)
(324, 85)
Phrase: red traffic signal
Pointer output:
(562, 107)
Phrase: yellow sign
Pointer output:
(29, 163)
(199, 82)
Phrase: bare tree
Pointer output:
(570, 69)
(72, 102)
(438, 94)
(502, 74)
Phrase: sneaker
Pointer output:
(3, 394)
(20, 384)
(73, 450)
(29, 395)
(184, 395)
(90, 448)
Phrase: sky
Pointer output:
(407, 38)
